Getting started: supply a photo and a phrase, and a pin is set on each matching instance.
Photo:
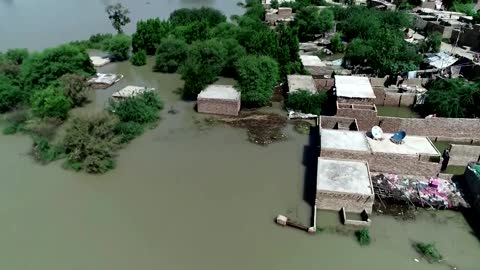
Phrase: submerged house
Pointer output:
(219, 99)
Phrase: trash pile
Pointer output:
(420, 192)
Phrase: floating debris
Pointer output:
(131, 91)
(103, 80)
(433, 193)
(262, 128)
(98, 61)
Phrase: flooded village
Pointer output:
(336, 147)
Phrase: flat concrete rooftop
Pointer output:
(343, 176)
(353, 87)
(343, 140)
(225, 92)
(413, 145)
(311, 61)
(301, 82)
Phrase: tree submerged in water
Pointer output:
(429, 251)
(118, 15)
(363, 237)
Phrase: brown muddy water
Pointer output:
(186, 197)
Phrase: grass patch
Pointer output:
(429, 251)
(392, 111)
(363, 237)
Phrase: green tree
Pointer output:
(50, 102)
(141, 109)
(118, 15)
(16, 56)
(387, 53)
(194, 31)
(149, 34)
(205, 61)
(74, 87)
(171, 54)
(234, 52)
(274, 4)
(90, 142)
(118, 47)
(453, 98)
(311, 22)
(336, 44)
(306, 102)
(258, 39)
(431, 44)
(257, 77)
(187, 16)
(41, 69)
(139, 58)
(224, 30)
(287, 56)
(10, 94)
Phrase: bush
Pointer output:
(44, 152)
(467, 8)
(306, 102)
(141, 109)
(149, 34)
(363, 237)
(50, 102)
(44, 128)
(205, 61)
(10, 94)
(310, 22)
(139, 58)
(257, 76)
(187, 16)
(171, 54)
(16, 56)
(429, 251)
(74, 87)
(95, 42)
(456, 98)
(128, 131)
(336, 44)
(41, 69)
(118, 47)
(431, 44)
(16, 121)
(90, 142)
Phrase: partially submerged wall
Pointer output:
(218, 106)
(355, 203)
(461, 155)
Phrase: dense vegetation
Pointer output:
(201, 45)
(453, 98)
(377, 40)
(363, 237)
(39, 90)
(429, 251)
(306, 102)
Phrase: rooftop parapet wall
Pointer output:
(366, 115)
(388, 162)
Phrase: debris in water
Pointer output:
(262, 128)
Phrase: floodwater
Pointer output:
(38, 24)
(186, 197)
(395, 111)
